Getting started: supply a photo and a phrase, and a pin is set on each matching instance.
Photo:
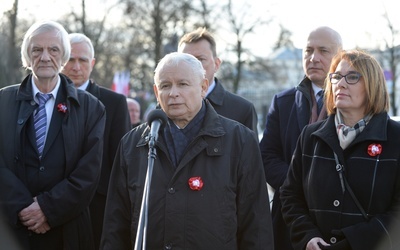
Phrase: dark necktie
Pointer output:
(320, 101)
(40, 121)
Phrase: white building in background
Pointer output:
(283, 70)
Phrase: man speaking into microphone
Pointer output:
(208, 189)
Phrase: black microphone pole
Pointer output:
(156, 119)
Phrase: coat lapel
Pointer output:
(56, 121)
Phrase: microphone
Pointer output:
(156, 120)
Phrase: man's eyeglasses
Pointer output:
(351, 78)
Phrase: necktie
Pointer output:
(320, 101)
(40, 121)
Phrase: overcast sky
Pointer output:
(360, 22)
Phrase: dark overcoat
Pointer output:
(316, 203)
(117, 125)
(65, 178)
(229, 212)
(233, 106)
(290, 111)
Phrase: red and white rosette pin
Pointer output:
(196, 183)
(374, 149)
(61, 107)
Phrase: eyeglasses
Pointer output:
(350, 78)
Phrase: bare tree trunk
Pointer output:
(13, 74)
(393, 59)
(241, 27)
(393, 68)
(83, 20)
(239, 64)
(157, 19)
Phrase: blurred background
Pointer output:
(259, 41)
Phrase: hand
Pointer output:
(341, 245)
(42, 229)
(34, 218)
(316, 244)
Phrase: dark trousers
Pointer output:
(97, 207)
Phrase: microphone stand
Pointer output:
(143, 217)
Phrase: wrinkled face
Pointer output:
(180, 92)
(349, 97)
(134, 112)
(202, 51)
(80, 64)
(317, 56)
(45, 52)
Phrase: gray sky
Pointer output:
(359, 22)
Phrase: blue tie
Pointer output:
(320, 101)
(40, 121)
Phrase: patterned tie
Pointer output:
(40, 121)
(320, 101)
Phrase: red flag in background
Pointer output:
(121, 82)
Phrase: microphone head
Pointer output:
(157, 114)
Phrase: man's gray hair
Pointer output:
(81, 38)
(175, 58)
(39, 28)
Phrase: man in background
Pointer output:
(201, 44)
(290, 111)
(78, 69)
(134, 111)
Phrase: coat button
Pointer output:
(168, 247)
(336, 203)
(216, 150)
(41, 169)
(333, 240)
(171, 190)
(20, 121)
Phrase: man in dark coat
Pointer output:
(78, 69)
(290, 111)
(208, 189)
(46, 193)
(201, 44)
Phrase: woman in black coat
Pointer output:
(343, 185)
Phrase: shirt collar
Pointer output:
(211, 87)
(84, 86)
(316, 89)
(53, 92)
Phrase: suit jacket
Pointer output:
(233, 106)
(65, 178)
(290, 111)
(117, 125)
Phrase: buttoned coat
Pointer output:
(314, 203)
(290, 111)
(230, 211)
(65, 178)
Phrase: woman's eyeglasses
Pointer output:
(350, 78)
